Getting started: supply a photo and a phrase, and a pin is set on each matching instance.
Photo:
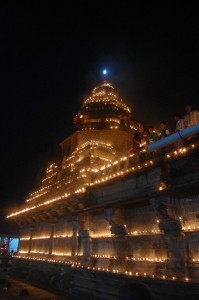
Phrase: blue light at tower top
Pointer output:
(104, 72)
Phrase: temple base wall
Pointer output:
(140, 226)
(79, 283)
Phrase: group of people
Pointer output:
(191, 118)
(146, 136)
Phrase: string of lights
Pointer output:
(104, 178)
(75, 264)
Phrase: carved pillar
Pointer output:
(75, 237)
(86, 240)
(52, 231)
(115, 217)
(172, 228)
(32, 227)
(20, 234)
(82, 239)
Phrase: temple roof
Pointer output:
(86, 152)
(105, 94)
(104, 109)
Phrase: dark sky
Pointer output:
(51, 56)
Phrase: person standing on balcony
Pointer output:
(153, 136)
(192, 116)
(164, 130)
(180, 125)
(180, 122)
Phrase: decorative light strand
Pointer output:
(128, 273)
(101, 180)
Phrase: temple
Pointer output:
(101, 218)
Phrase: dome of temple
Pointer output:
(104, 109)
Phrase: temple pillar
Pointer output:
(171, 226)
(52, 231)
(75, 237)
(82, 238)
(32, 227)
(116, 218)
(86, 240)
(20, 234)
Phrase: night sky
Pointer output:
(51, 59)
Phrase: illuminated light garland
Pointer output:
(50, 168)
(42, 191)
(37, 193)
(144, 232)
(128, 273)
(36, 196)
(108, 235)
(190, 228)
(63, 236)
(39, 252)
(41, 204)
(90, 143)
(119, 173)
(82, 158)
(102, 95)
(103, 256)
(178, 152)
(148, 259)
(110, 99)
(103, 179)
(41, 237)
(105, 83)
(140, 259)
(61, 254)
(102, 235)
(100, 120)
(80, 190)
(113, 120)
(49, 177)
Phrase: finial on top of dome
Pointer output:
(104, 72)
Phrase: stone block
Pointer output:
(141, 181)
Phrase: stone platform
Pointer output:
(81, 283)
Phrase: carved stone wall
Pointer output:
(143, 226)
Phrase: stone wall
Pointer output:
(81, 283)
(142, 226)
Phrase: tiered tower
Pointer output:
(103, 129)
(100, 218)
(102, 134)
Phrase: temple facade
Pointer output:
(101, 218)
